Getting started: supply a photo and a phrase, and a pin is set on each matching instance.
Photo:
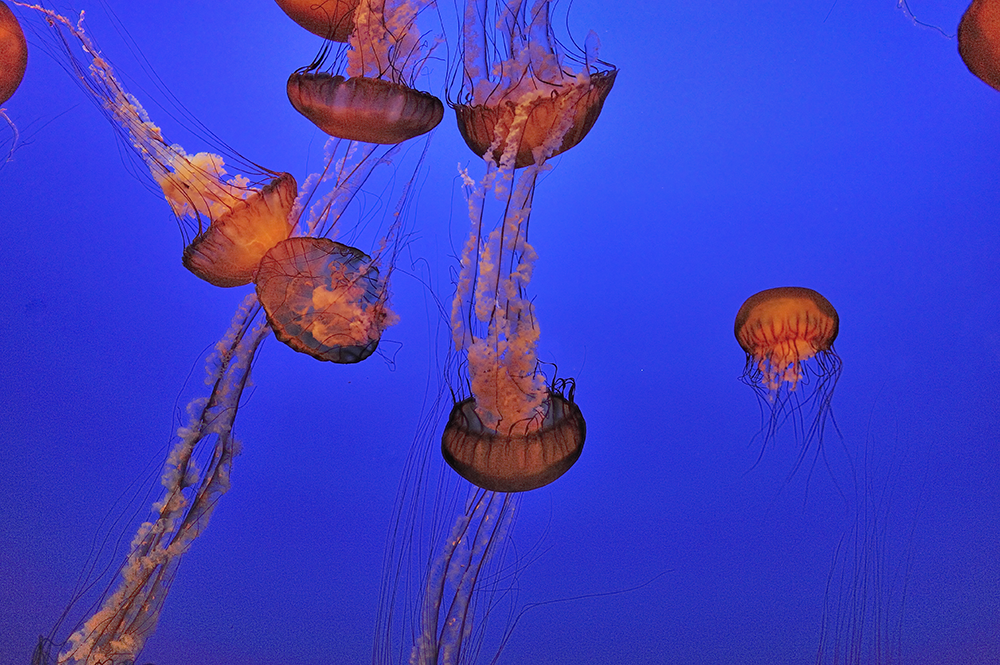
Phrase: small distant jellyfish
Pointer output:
(13, 53)
(324, 299)
(330, 19)
(979, 40)
(235, 220)
(375, 102)
(788, 334)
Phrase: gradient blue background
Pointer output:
(746, 145)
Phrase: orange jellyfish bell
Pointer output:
(330, 19)
(979, 40)
(364, 109)
(228, 252)
(541, 113)
(13, 53)
(521, 457)
(527, 95)
(323, 298)
(782, 327)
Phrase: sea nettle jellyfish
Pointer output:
(13, 53)
(329, 279)
(788, 334)
(234, 219)
(517, 431)
(979, 40)
(513, 434)
(330, 19)
(13, 61)
(375, 102)
(324, 298)
(530, 95)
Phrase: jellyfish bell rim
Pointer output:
(361, 108)
(477, 122)
(468, 446)
(13, 53)
(787, 292)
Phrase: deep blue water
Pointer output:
(836, 145)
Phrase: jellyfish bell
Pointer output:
(521, 457)
(539, 110)
(531, 94)
(375, 102)
(13, 53)
(330, 19)
(323, 298)
(781, 328)
(787, 334)
(979, 40)
(365, 109)
(228, 252)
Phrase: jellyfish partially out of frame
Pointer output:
(197, 470)
(979, 40)
(234, 220)
(13, 53)
(788, 334)
(376, 101)
(13, 61)
(330, 19)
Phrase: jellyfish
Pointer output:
(324, 298)
(516, 431)
(330, 19)
(375, 102)
(13, 62)
(788, 334)
(979, 40)
(513, 433)
(13, 53)
(344, 291)
(531, 95)
(237, 220)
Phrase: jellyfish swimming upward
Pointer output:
(788, 334)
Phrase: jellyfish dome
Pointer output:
(782, 327)
(330, 19)
(323, 298)
(228, 252)
(520, 458)
(531, 94)
(13, 53)
(364, 109)
(979, 40)
(374, 102)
